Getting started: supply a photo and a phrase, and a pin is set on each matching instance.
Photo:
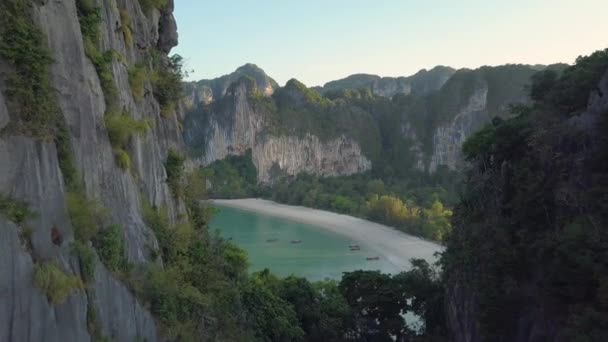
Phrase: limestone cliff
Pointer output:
(234, 125)
(31, 171)
(433, 112)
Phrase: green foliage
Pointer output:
(148, 5)
(408, 207)
(90, 20)
(138, 75)
(125, 27)
(200, 276)
(167, 81)
(121, 127)
(424, 289)
(28, 86)
(232, 177)
(65, 157)
(89, 17)
(110, 246)
(569, 94)
(273, 318)
(87, 216)
(174, 166)
(86, 256)
(55, 283)
(123, 160)
(14, 210)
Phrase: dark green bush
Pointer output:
(14, 210)
(174, 166)
(110, 246)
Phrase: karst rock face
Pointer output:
(238, 127)
(30, 172)
(443, 107)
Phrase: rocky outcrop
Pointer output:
(30, 172)
(234, 126)
(207, 91)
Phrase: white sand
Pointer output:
(397, 247)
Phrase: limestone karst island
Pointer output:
(307, 171)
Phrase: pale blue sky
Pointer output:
(317, 41)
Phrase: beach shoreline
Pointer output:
(395, 246)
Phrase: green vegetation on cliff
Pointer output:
(55, 283)
(28, 86)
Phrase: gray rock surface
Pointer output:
(238, 127)
(121, 316)
(30, 172)
(167, 28)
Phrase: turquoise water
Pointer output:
(321, 254)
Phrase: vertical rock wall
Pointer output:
(30, 172)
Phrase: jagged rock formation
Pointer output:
(31, 172)
(207, 91)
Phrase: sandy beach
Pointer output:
(397, 247)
